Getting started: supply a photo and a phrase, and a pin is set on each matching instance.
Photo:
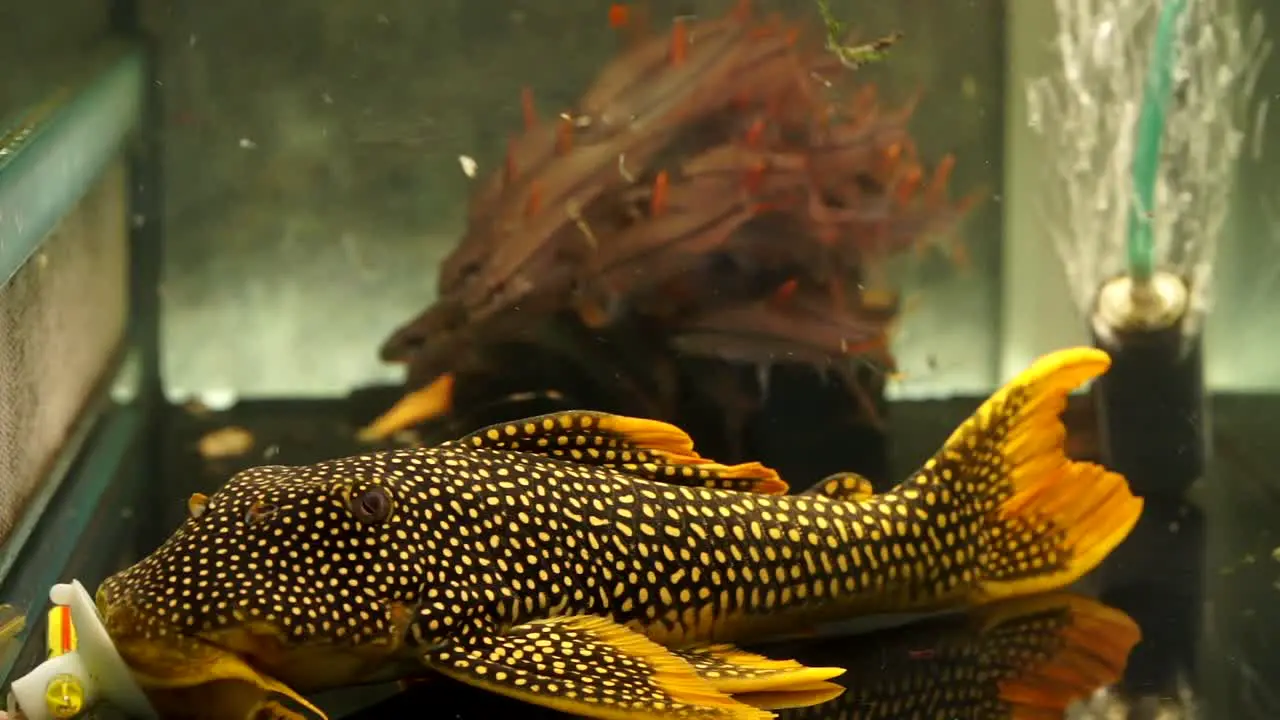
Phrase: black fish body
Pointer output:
(596, 564)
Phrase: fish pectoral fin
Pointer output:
(648, 449)
(794, 698)
(588, 666)
(846, 486)
(417, 680)
(276, 709)
(733, 671)
(227, 700)
(183, 671)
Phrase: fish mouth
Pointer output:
(176, 669)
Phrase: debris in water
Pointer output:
(12, 621)
(230, 441)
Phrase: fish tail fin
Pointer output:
(1002, 488)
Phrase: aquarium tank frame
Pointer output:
(81, 520)
(85, 521)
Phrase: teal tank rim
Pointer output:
(52, 152)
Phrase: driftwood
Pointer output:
(710, 196)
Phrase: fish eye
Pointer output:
(372, 505)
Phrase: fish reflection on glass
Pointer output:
(595, 563)
(1023, 659)
(1028, 658)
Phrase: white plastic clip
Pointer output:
(67, 684)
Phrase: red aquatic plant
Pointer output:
(711, 195)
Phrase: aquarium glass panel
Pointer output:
(61, 319)
(64, 269)
(1090, 86)
(40, 43)
(1241, 355)
(318, 159)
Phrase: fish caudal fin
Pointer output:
(1041, 519)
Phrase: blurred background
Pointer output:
(313, 183)
(310, 146)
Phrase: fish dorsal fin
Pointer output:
(846, 486)
(649, 449)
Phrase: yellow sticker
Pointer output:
(64, 696)
(61, 637)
